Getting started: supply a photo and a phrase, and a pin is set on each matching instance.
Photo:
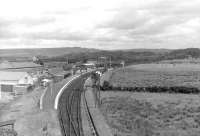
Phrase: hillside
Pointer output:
(136, 55)
(183, 53)
(150, 50)
(128, 56)
(49, 52)
(74, 54)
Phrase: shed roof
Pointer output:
(17, 65)
(11, 76)
(58, 71)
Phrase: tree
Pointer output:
(67, 67)
(37, 60)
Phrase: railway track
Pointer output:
(70, 109)
(94, 131)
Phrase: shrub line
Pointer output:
(153, 89)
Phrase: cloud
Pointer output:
(105, 39)
(155, 21)
(150, 19)
(9, 27)
(102, 24)
(5, 32)
(57, 35)
(128, 19)
(176, 7)
(4, 22)
(28, 21)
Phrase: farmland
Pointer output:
(151, 114)
(141, 113)
(162, 75)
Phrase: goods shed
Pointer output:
(15, 82)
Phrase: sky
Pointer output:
(102, 24)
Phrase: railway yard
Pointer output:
(76, 102)
(99, 67)
(69, 109)
(68, 97)
(125, 108)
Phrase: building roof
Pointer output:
(17, 65)
(11, 76)
(58, 71)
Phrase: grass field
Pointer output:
(152, 114)
(168, 75)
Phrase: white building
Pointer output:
(14, 82)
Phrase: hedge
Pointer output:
(152, 89)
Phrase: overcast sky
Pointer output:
(103, 24)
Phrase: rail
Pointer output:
(90, 119)
(69, 107)
(68, 104)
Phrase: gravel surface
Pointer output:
(30, 120)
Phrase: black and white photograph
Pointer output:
(99, 67)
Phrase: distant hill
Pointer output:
(49, 52)
(117, 55)
(150, 50)
(136, 55)
(75, 54)
(183, 53)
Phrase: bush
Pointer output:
(67, 75)
(106, 86)
(30, 88)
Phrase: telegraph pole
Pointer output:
(67, 61)
(110, 62)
